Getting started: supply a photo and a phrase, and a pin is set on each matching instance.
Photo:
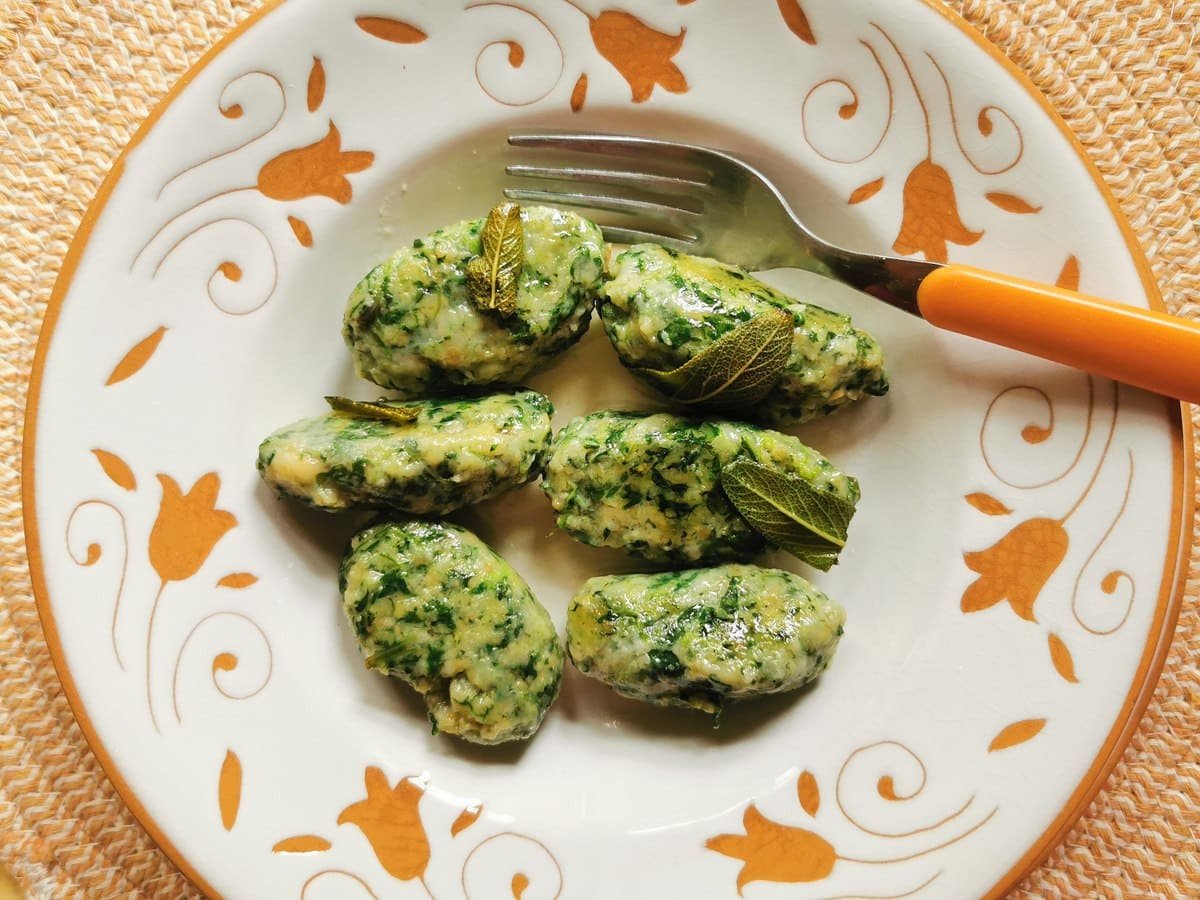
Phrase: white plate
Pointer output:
(1012, 579)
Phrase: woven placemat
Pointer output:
(76, 79)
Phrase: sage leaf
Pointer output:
(385, 657)
(493, 278)
(806, 521)
(738, 369)
(397, 415)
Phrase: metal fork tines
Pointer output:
(667, 204)
(714, 204)
(701, 201)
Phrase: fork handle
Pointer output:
(1142, 347)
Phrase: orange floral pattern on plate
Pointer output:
(1060, 656)
(302, 843)
(987, 504)
(136, 358)
(303, 233)
(393, 30)
(809, 793)
(794, 15)
(642, 55)
(931, 218)
(465, 820)
(1017, 733)
(1012, 203)
(319, 169)
(116, 469)
(238, 580)
(786, 854)
(185, 532)
(865, 192)
(390, 820)
(579, 93)
(774, 852)
(187, 528)
(1017, 567)
(316, 85)
(229, 789)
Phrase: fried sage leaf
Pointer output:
(400, 415)
(739, 369)
(807, 522)
(493, 277)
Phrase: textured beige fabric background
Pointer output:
(78, 76)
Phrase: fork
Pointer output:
(706, 202)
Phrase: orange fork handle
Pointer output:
(1149, 349)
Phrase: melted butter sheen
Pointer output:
(703, 637)
(457, 452)
(413, 328)
(650, 484)
(662, 308)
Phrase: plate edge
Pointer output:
(62, 285)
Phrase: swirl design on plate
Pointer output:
(786, 854)
(535, 873)
(1114, 578)
(360, 888)
(489, 68)
(229, 271)
(225, 661)
(233, 107)
(984, 125)
(318, 169)
(93, 554)
(641, 54)
(930, 209)
(847, 111)
(186, 531)
(1018, 567)
(391, 818)
(1036, 433)
(906, 767)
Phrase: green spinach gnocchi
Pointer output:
(433, 605)
(650, 484)
(662, 308)
(455, 453)
(703, 637)
(412, 326)
(477, 307)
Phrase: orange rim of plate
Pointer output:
(1162, 628)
